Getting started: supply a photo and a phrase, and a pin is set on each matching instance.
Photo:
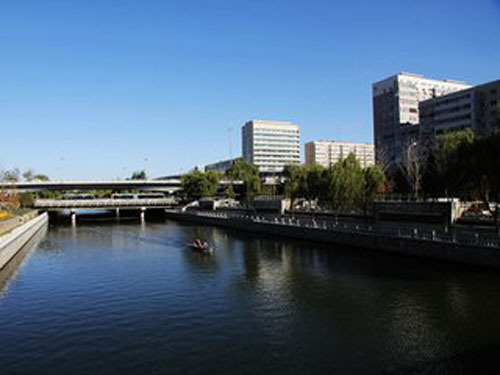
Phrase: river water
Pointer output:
(118, 298)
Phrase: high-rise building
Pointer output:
(476, 108)
(396, 111)
(270, 145)
(327, 153)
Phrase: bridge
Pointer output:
(76, 204)
(170, 185)
(135, 204)
(158, 185)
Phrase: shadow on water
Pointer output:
(11, 270)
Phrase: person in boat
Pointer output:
(198, 244)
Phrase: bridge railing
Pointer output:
(104, 203)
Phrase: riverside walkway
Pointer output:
(420, 232)
(467, 247)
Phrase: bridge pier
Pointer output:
(143, 214)
(117, 213)
(73, 217)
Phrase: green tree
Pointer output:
(29, 175)
(26, 200)
(477, 168)
(294, 182)
(315, 186)
(229, 192)
(197, 185)
(41, 177)
(345, 184)
(12, 175)
(443, 160)
(374, 182)
(249, 175)
(139, 175)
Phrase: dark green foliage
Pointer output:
(139, 175)
(12, 175)
(315, 184)
(244, 171)
(346, 183)
(374, 184)
(26, 200)
(294, 182)
(345, 186)
(197, 185)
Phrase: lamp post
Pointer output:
(413, 170)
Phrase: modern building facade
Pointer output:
(327, 153)
(270, 145)
(396, 111)
(476, 108)
(220, 166)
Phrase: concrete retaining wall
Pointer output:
(474, 255)
(12, 242)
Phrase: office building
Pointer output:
(220, 166)
(476, 108)
(396, 111)
(327, 153)
(270, 145)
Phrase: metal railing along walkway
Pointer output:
(472, 239)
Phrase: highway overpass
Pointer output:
(170, 185)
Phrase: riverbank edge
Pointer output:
(380, 242)
(12, 242)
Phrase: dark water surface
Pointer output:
(134, 299)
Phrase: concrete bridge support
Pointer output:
(73, 217)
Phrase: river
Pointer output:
(131, 298)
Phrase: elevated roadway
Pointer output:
(158, 185)
(76, 204)
(170, 185)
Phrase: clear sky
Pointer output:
(100, 88)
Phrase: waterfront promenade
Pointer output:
(462, 246)
(12, 242)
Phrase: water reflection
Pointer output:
(258, 305)
(9, 273)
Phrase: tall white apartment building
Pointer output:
(327, 153)
(396, 110)
(270, 145)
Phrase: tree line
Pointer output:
(345, 186)
(465, 167)
(197, 184)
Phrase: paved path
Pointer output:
(9, 224)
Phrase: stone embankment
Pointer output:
(474, 249)
(19, 233)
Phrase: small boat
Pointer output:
(201, 247)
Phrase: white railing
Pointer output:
(469, 238)
(103, 203)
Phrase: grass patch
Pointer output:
(4, 215)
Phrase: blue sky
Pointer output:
(100, 88)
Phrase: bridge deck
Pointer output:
(104, 203)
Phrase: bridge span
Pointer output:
(78, 204)
(170, 185)
(138, 204)
(158, 185)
